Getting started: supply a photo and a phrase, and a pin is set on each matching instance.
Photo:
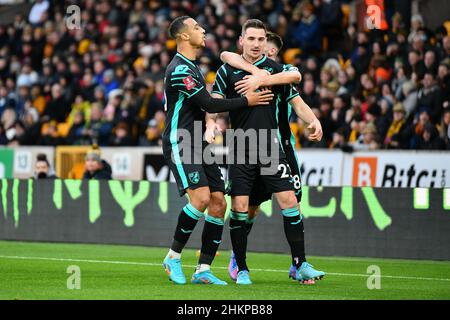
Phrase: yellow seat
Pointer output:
(77, 171)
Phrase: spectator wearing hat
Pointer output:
(417, 24)
(95, 167)
(368, 139)
(152, 134)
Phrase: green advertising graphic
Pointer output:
(6, 163)
(129, 196)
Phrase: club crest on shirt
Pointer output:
(194, 177)
(189, 82)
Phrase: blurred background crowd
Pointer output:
(102, 83)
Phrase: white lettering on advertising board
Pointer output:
(320, 168)
(397, 169)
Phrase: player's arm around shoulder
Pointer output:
(264, 79)
(288, 75)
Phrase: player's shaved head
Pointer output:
(177, 26)
(253, 23)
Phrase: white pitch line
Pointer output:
(192, 266)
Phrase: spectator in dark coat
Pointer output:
(430, 140)
(96, 167)
(330, 15)
(429, 98)
(121, 136)
(307, 34)
(58, 108)
(75, 135)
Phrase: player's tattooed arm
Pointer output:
(305, 113)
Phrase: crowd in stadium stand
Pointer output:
(102, 83)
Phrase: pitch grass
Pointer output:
(136, 273)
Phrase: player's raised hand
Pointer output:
(316, 129)
(259, 98)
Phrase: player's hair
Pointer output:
(253, 23)
(177, 26)
(275, 39)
